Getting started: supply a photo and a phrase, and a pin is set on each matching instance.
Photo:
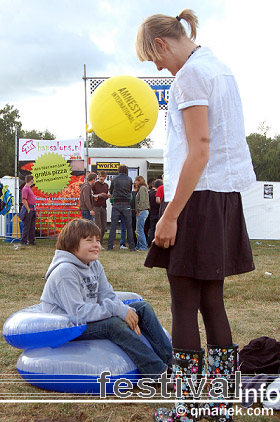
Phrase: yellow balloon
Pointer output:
(123, 110)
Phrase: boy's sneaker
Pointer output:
(123, 247)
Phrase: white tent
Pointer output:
(261, 206)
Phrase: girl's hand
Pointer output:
(166, 230)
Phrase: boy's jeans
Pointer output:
(117, 211)
(150, 363)
(86, 214)
(123, 231)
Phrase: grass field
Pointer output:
(252, 302)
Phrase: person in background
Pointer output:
(154, 210)
(151, 183)
(86, 197)
(147, 222)
(160, 193)
(28, 200)
(123, 233)
(142, 207)
(201, 236)
(133, 212)
(100, 195)
(160, 198)
(120, 190)
(123, 226)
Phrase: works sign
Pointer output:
(111, 168)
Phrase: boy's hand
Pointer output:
(132, 319)
(137, 330)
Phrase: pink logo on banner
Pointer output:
(28, 146)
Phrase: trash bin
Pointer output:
(14, 227)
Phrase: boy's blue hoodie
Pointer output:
(79, 290)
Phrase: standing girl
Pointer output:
(142, 207)
(201, 236)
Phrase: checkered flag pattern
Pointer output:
(154, 82)
(94, 82)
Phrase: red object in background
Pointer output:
(28, 166)
(68, 198)
(55, 210)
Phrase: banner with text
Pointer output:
(57, 168)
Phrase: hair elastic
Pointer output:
(178, 19)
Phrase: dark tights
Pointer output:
(188, 295)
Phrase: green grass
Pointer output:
(252, 302)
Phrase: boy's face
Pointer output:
(88, 249)
(92, 182)
(101, 178)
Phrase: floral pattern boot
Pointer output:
(187, 364)
(221, 362)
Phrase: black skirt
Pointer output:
(211, 242)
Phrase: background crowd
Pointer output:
(135, 205)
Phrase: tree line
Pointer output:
(265, 150)
(9, 123)
(265, 156)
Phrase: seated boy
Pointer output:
(77, 286)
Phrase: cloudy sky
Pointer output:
(44, 45)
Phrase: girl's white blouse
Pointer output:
(204, 80)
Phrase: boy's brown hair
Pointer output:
(28, 178)
(123, 169)
(102, 173)
(91, 176)
(69, 238)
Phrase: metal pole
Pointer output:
(85, 84)
(16, 183)
(15, 165)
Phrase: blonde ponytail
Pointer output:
(189, 16)
(160, 26)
